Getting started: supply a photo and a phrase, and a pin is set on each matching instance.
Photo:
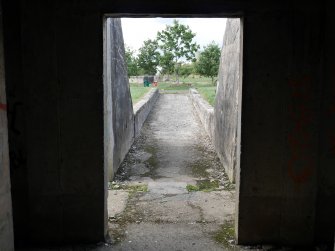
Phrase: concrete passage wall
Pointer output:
(205, 112)
(280, 129)
(227, 99)
(62, 135)
(325, 207)
(54, 65)
(16, 107)
(108, 107)
(123, 115)
(143, 108)
(6, 223)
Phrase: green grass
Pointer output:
(138, 91)
(202, 84)
(208, 93)
(195, 79)
(170, 86)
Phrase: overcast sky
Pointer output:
(136, 30)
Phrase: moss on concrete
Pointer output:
(150, 149)
(203, 185)
(192, 188)
(153, 162)
(129, 187)
(228, 186)
(118, 224)
(199, 170)
(225, 235)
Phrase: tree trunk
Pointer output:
(177, 72)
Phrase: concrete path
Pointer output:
(155, 210)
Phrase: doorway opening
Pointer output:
(177, 180)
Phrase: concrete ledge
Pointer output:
(143, 108)
(205, 112)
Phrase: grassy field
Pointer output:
(138, 91)
(208, 93)
(202, 84)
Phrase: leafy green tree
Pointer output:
(166, 63)
(176, 43)
(209, 61)
(133, 69)
(148, 57)
(186, 70)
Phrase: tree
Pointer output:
(148, 57)
(209, 60)
(176, 43)
(186, 70)
(166, 63)
(131, 60)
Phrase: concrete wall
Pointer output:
(108, 108)
(57, 98)
(49, 126)
(325, 206)
(123, 115)
(205, 112)
(16, 118)
(280, 127)
(227, 99)
(143, 108)
(285, 180)
(6, 223)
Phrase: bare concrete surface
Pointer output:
(115, 208)
(172, 153)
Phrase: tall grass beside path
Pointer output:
(138, 91)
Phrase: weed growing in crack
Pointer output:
(192, 188)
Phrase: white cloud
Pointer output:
(207, 29)
(137, 30)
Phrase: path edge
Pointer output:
(143, 108)
(204, 111)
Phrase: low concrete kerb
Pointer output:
(205, 112)
(142, 109)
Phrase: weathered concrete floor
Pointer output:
(171, 153)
